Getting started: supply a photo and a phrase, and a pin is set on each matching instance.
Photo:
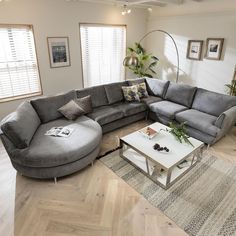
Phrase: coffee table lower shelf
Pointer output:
(162, 176)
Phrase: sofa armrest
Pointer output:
(227, 118)
(225, 121)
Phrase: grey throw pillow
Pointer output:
(85, 103)
(71, 110)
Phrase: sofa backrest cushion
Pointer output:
(20, 126)
(212, 103)
(47, 107)
(135, 81)
(156, 87)
(114, 92)
(97, 93)
(180, 93)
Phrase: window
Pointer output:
(19, 76)
(103, 51)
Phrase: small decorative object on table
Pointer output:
(159, 148)
(179, 131)
(183, 164)
(148, 132)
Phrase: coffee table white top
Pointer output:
(178, 151)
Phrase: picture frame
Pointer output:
(214, 48)
(58, 49)
(194, 51)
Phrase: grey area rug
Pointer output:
(202, 203)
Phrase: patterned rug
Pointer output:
(202, 203)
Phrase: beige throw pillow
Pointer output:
(131, 93)
(142, 90)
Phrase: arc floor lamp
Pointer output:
(132, 60)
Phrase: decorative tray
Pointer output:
(148, 132)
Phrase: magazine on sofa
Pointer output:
(60, 131)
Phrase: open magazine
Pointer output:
(59, 131)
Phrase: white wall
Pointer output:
(60, 18)
(195, 21)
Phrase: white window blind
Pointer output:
(19, 76)
(103, 51)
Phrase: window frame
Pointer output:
(100, 25)
(27, 95)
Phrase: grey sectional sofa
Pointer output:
(209, 117)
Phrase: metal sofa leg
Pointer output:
(55, 180)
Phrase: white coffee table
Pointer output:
(161, 167)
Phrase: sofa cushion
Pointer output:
(199, 120)
(105, 114)
(114, 92)
(180, 93)
(151, 99)
(21, 125)
(166, 108)
(85, 103)
(71, 110)
(136, 81)
(157, 87)
(47, 107)
(131, 93)
(48, 151)
(212, 103)
(98, 95)
(129, 109)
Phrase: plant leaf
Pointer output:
(155, 58)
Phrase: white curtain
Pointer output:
(103, 52)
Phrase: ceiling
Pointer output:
(144, 3)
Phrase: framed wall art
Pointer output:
(58, 48)
(194, 51)
(214, 48)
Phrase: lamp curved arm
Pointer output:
(176, 48)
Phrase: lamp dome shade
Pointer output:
(130, 61)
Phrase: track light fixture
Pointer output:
(125, 10)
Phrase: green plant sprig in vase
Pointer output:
(179, 132)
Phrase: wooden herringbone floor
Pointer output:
(91, 202)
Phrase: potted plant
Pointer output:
(179, 132)
(232, 87)
(146, 62)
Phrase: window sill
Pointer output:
(10, 99)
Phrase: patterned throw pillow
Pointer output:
(142, 90)
(131, 93)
